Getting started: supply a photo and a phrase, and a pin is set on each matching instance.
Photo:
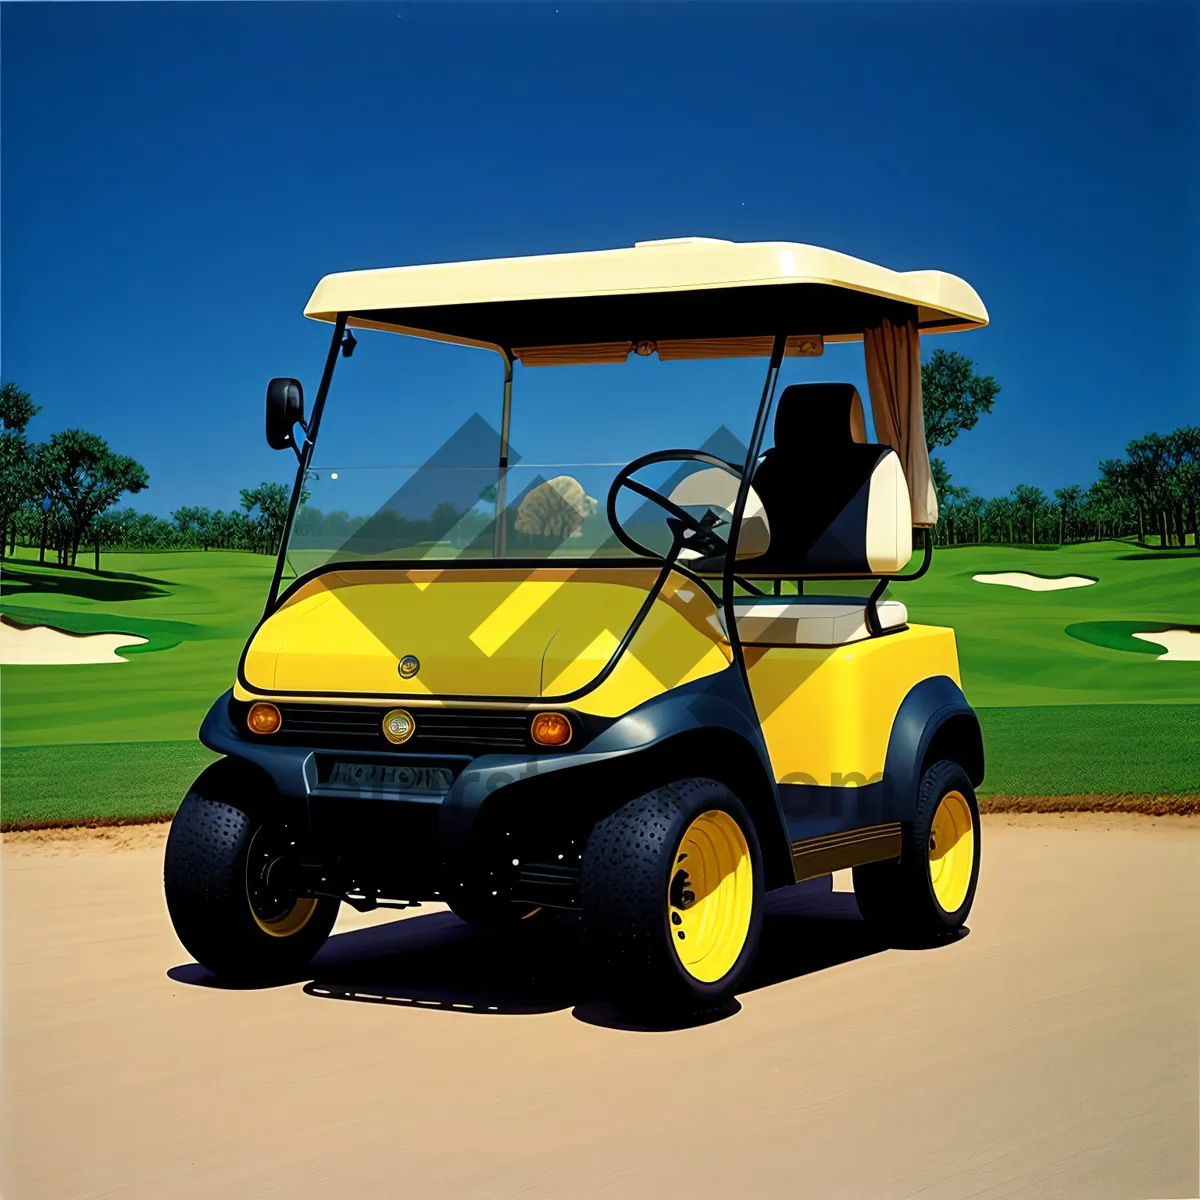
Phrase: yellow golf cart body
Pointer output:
(492, 722)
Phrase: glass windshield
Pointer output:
(406, 466)
(531, 511)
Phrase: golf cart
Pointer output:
(646, 709)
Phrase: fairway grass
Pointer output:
(1144, 751)
(1014, 646)
(196, 609)
(1110, 749)
(67, 785)
(1070, 701)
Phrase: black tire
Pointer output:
(629, 879)
(222, 909)
(899, 898)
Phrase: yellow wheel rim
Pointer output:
(275, 915)
(710, 896)
(289, 922)
(951, 851)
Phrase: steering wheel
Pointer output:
(689, 532)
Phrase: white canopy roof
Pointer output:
(676, 289)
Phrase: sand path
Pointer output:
(1052, 1052)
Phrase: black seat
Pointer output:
(835, 504)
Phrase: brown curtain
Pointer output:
(893, 353)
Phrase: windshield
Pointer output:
(368, 496)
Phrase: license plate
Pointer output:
(421, 780)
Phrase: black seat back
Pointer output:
(833, 502)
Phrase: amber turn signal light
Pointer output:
(551, 729)
(263, 718)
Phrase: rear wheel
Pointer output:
(672, 890)
(227, 891)
(927, 894)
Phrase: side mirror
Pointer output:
(285, 409)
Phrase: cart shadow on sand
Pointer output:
(435, 961)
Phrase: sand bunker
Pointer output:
(1034, 583)
(42, 646)
(1181, 645)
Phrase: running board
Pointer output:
(817, 856)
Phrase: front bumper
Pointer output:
(408, 845)
(512, 824)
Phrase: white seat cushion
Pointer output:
(889, 518)
(811, 620)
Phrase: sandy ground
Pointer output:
(42, 645)
(1035, 583)
(1180, 644)
(1052, 1052)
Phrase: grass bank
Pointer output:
(1086, 713)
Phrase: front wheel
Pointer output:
(926, 895)
(225, 878)
(672, 896)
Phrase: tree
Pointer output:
(1030, 501)
(1156, 473)
(17, 408)
(17, 478)
(1146, 471)
(106, 530)
(84, 477)
(195, 525)
(1185, 444)
(124, 528)
(1109, 507)
(1068, 505)
(233, 529)
(1000, 513)
(961, 511)
(271, 500)
(954, 396)
(972, 508)
(941, 478)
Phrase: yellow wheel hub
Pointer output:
(951, 851)
(278, 915)
(288, 922)
(710, 896)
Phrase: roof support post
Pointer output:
(735, 525)
(310, 441)
(500, 529)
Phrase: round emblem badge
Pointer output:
(409, 666)
(398, 726)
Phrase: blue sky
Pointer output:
(175, 179)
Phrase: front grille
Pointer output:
(439, 730)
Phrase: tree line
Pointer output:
(1152, 492)
(387, 528)
(58, 495)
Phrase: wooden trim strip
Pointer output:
(836, 851)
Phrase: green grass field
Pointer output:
(1087, 711)
(1013, 644)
